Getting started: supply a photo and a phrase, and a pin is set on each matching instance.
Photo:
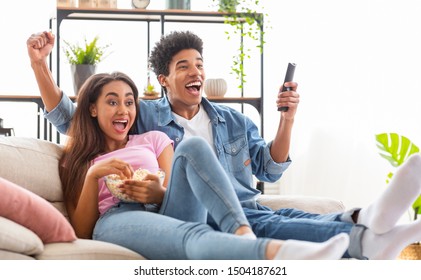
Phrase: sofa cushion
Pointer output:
(34, 212)
(311, 204)
(86, 249)
(7, 255)
(18, 239)
(33, 164)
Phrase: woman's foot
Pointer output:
(332, 249)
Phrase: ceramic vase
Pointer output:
(229, 6)
(215, 87)
(80, 73)
(178, 4)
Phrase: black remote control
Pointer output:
(289, 76)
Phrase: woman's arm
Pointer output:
(150, 190)
(84, 214)
(165, 162)
(39, 48)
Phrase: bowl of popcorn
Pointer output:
(113, 182)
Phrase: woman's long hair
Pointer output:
(85, 138)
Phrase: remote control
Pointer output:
(289, 76)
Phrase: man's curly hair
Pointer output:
(170, 45)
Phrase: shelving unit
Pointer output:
(161, 17)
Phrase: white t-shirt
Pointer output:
(199, 125)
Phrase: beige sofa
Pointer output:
(32, 164)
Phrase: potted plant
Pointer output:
(149, 90)
(178, 4)
(396, 149)
(84, 59)
(242, 16)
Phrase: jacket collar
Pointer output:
(165, 115)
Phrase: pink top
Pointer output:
(141, 151)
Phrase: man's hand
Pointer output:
(288, 99)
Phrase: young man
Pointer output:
(183, 112)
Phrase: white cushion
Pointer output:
(311, 204)
(6, 255)
(33, 164)
(18, 239)
(86, 249)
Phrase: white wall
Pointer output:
(357, 69)
(358, 73)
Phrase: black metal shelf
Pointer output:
(162, 17)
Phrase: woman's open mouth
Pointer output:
(120, 125)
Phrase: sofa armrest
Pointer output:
(311, 204)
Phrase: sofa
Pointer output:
(33, 220)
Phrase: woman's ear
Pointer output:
(92, 109)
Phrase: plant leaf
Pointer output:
(417, 205)
(395, 148)
(88, 53)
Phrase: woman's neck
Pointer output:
(111, 146)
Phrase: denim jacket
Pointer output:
(240, 148)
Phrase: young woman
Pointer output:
(167, 221)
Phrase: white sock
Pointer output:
(382, 215)
(388, 246)
(249, 235)
(332, 249)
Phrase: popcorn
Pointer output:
(113, 181)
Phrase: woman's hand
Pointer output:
(149, 190)
(39, 46)
(110, 166)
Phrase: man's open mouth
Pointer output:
(196, 85)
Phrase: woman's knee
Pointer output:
(193, 144)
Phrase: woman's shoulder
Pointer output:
(147, 136)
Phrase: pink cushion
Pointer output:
(34, 212)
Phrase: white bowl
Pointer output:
(113, 182)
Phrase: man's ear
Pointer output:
(162, 80)
(92, 109)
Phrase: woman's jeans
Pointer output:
(198, 186)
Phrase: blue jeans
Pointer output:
(289, 223)
(198, 186)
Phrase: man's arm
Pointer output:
(281, 144)
(39, 47)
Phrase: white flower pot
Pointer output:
(215, 87)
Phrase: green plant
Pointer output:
(88, 53)
(242, 16)
(150, 89)
(396, 149)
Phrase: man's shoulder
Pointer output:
(226, 111)
(149, 102)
